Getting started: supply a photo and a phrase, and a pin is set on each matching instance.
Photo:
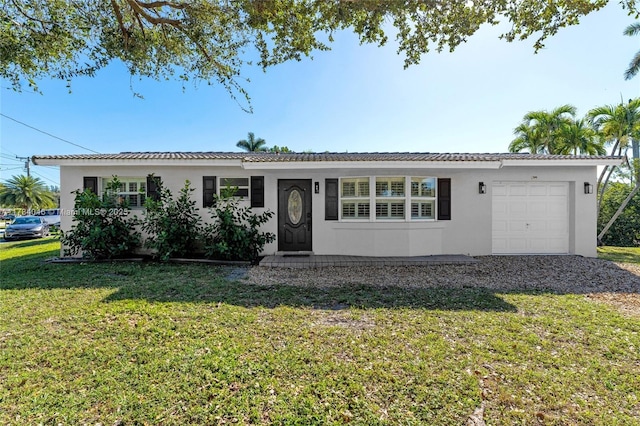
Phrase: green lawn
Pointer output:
(179, 344)
(620, 254)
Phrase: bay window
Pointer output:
(396, 198)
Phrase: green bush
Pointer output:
(625, 231)
(103, 228)
(174, 227)
(235, 233)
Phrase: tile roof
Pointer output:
(269, 157)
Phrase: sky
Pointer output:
(353, 98)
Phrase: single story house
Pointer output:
(375, 204)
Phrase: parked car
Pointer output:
(26, 227)
(51, 216)
(8, 217)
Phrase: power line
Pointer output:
(7, 157)
(49, 134)
(44, 177)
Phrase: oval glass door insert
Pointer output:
(294, 207)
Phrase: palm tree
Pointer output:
(634, 65)
(528, 139)
(251, 144)
(619, 125)
(580, 137)
(541, 130)
(26, 192)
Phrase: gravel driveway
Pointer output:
(617, 284)
(563, 274)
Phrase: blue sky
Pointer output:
(353, 98)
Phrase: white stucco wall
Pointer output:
(468, 232)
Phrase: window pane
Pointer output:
(397, 210)
(363, 188)
(382, 189)
(363, 210)
(348, 209)
(382, 210)
(235, 181)
(133, 201)
(397, 188)
(423, 187)
(390, 187)
(348, 189)
(423, 210)
(133, 187)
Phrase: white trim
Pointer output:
(173, 162)
(298, 165)
(582, 162)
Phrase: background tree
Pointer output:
(207, 40)
(26, 192)
(619, 125)
(578, 137)
(251, 144)
(634, 65)
(542, 132)
(277, 149)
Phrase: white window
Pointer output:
(390, 198)
(423, 198)
(242, 185)
(131, 190)
(354, 198)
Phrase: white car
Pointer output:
(51, 216)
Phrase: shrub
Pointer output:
(235, 233)
(173, 226)
(625, 231)
(103, 228)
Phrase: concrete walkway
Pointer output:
(317, 261)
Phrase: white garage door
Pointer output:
(530, 217)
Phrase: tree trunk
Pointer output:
(618, 212)
(610, 169)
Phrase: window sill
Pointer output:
(388, 224)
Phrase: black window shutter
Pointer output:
(331, 199)
(152, 187)
(444, 199)
(90, 183)
(257, 191)
(208, 191)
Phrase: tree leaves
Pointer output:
(208, 40)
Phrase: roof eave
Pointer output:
(297, 165)
(572, 162)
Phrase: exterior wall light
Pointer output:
(316, 187)
(482, 188)
(588, 188)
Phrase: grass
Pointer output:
(620, 254)
(180, 344)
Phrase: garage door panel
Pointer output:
(517, 207)
(517, 226)
(558, 190)
(537, 208)
(538, 190)
(530, 217)
(516, 190)
(500, 225)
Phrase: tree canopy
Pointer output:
(26, 192)
(211, 40)
(252, 144)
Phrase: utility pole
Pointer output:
(27, 164)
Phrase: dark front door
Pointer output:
(294, 215)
